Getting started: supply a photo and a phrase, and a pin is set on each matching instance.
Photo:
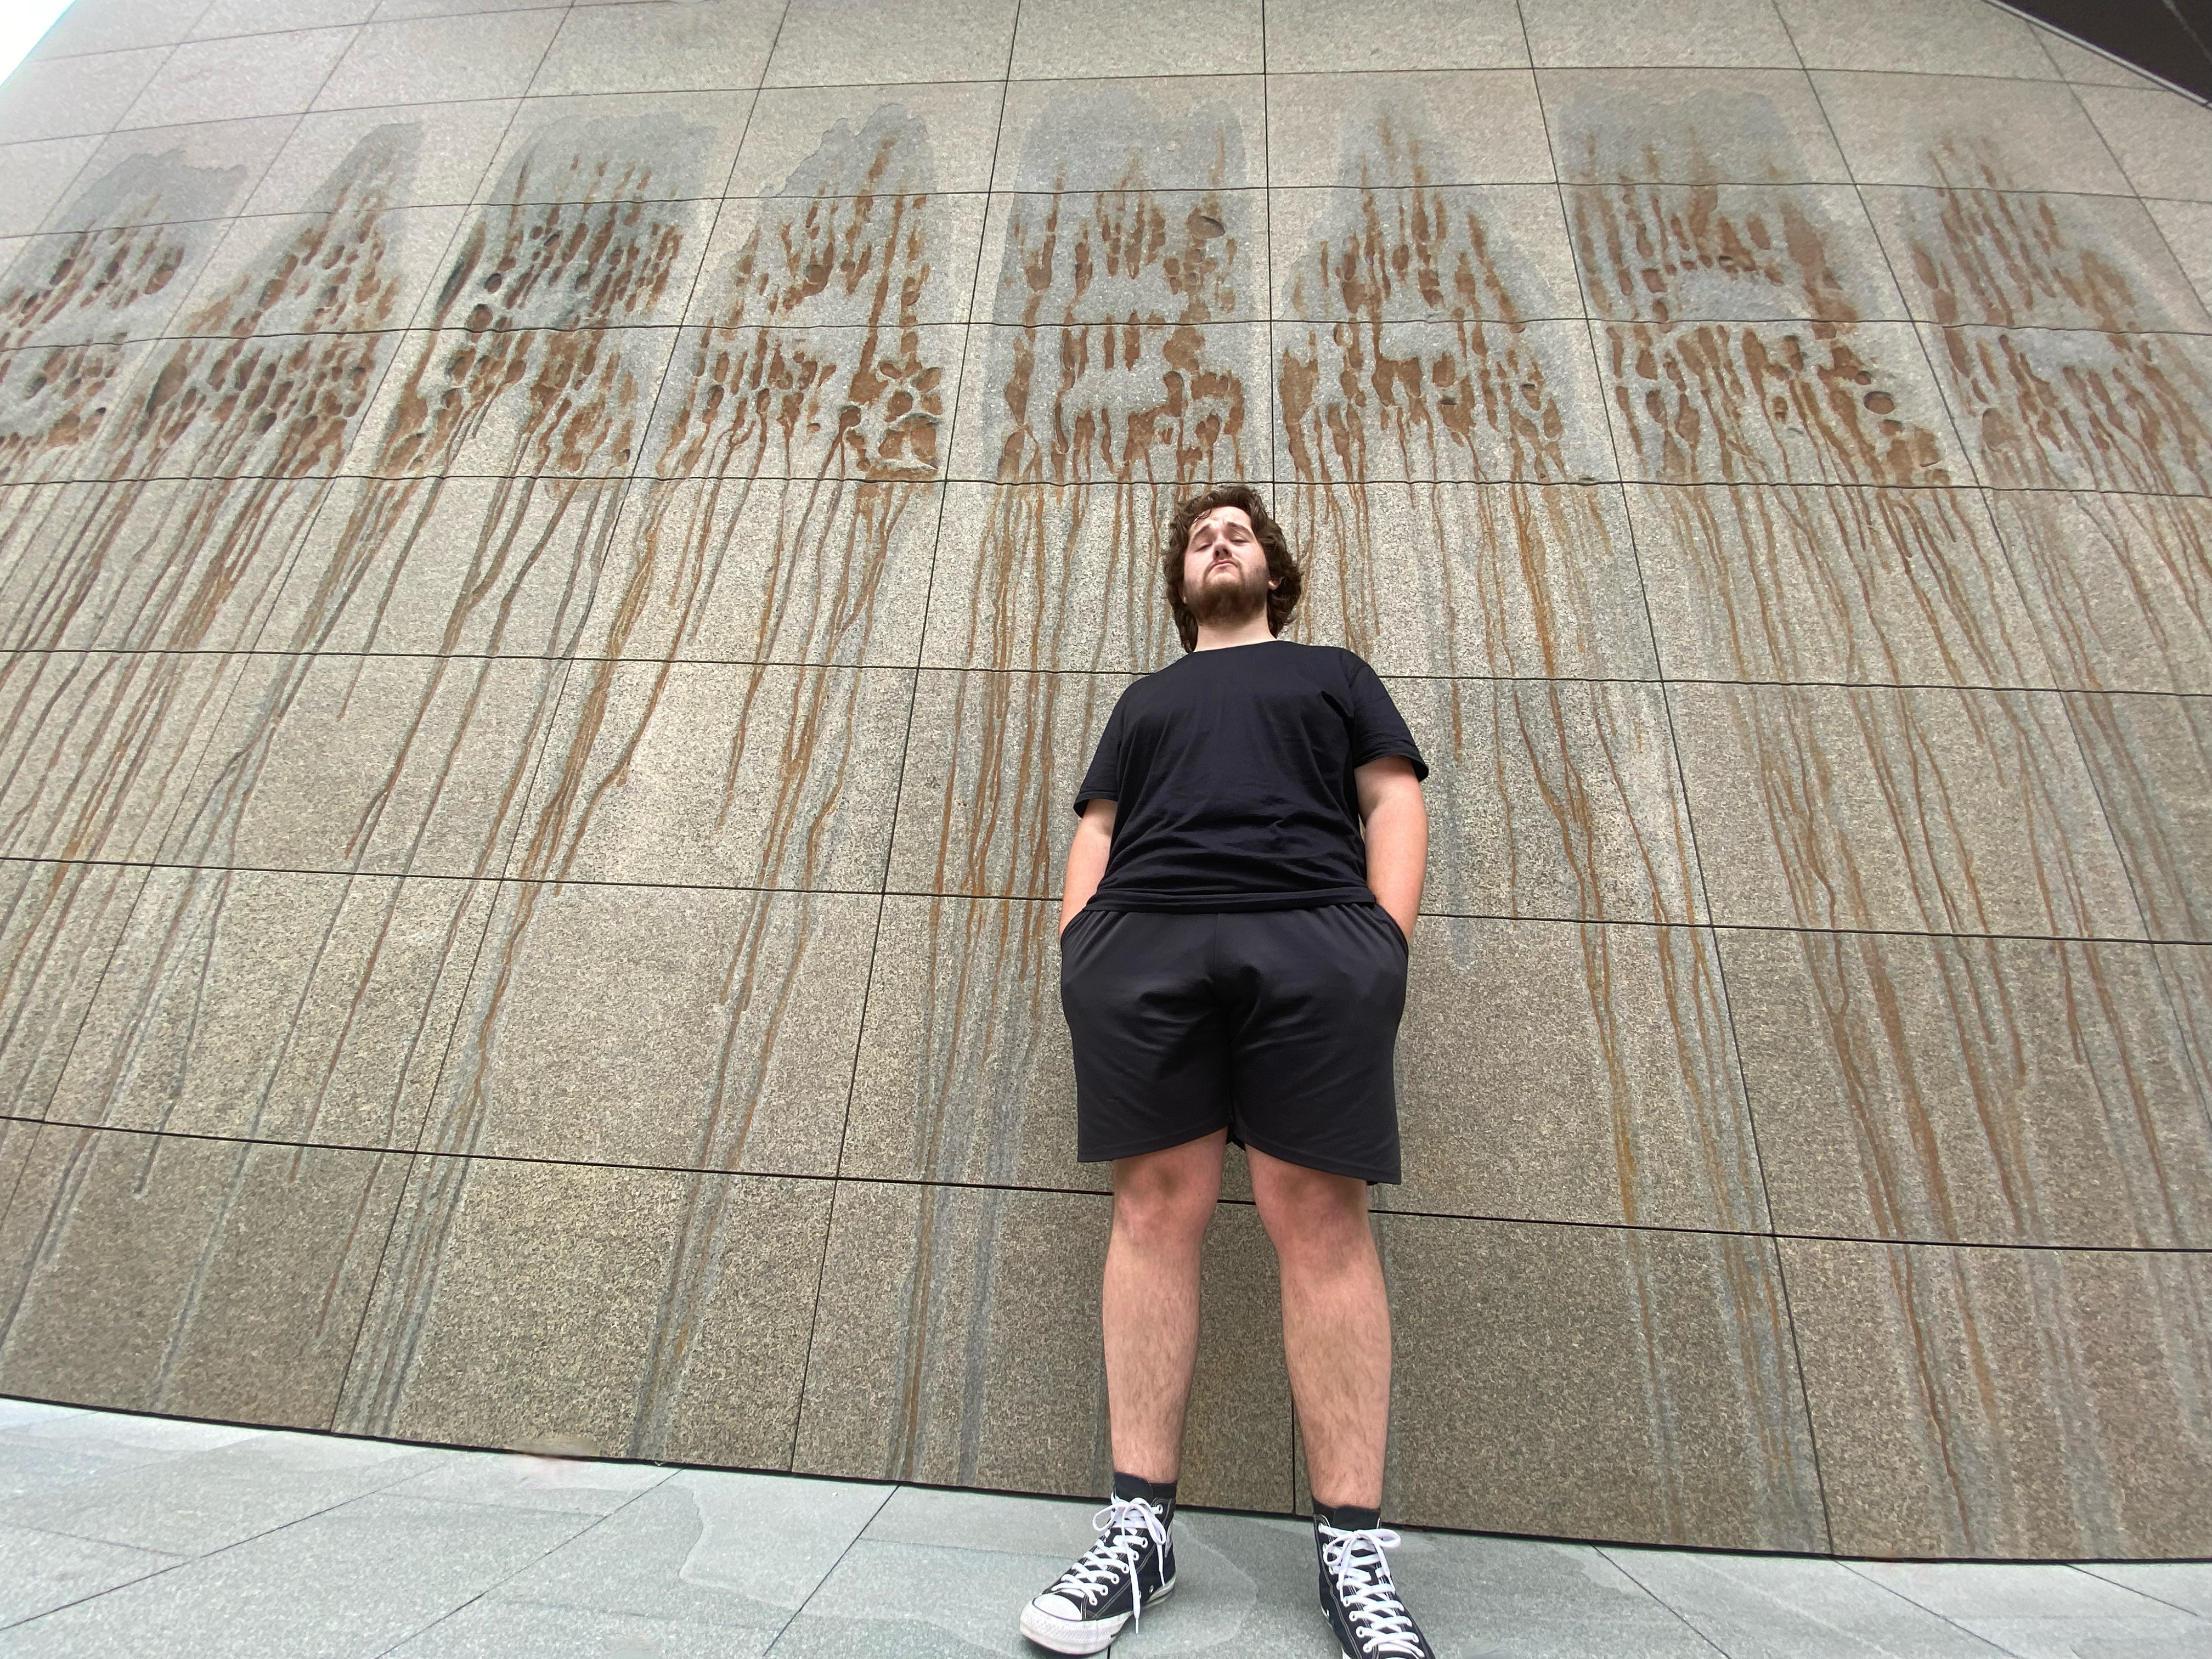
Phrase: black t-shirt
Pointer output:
(1231, 773)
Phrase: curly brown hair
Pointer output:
(1282, 600)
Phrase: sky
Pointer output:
(22, 23)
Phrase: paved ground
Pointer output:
(122, 1534)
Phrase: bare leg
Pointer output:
(1336, 1324)
(1162, 1203)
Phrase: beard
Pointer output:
(1222, 604)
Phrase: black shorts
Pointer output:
(1277, 1025)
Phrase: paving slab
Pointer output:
(42, 1570)
(1752, 1607)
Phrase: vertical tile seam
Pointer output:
(914, 697)
(1706, 925)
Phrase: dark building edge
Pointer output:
(2171, 39)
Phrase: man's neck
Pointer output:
(1253, 630)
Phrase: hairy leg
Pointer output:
(1162, 1203)
(1336, 1324)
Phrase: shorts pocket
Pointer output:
(1390, 925)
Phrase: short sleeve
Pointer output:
(1103, 780)
(1377, 727)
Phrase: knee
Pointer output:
(1311, 1217)
(1162, 1214)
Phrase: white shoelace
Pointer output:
(1122, 1527)
(1379, 1618)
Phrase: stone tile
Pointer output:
(574, 1485)
(1474, 126)
(1309, 35)
(402, 9)
(18, 1415)
(2152, 761)
(640, 1313)
(130, 1436)
(671, 1027)
(97, 749)
(1950, 37)
(1999, 1092)
(1378, 249)
(2174, 1635)
(1688, 126)
(401, 259)
(211, 1501)
(646, 150)
(425, 60)
(829, 249)
(729, 1553)
(229, 17)
(1975, 1592)
(435, 567)
(28, 1466)
(60, 923)
(1811, 583)
(780, 570)
(117, 25)
(1767, 1606)
(1584, 33)
(921, 1602)
(1513, 580)
(1559, 800)
(1108, 405)
(1682, 254)
(2186, 970)
(493, 1626)
(450, 145)
(964, 1073)
(2086, 66)
(386, 765)
(248, 76)
(761, 775)
(928, 1365)
(657, 49)
(2183, 1584)
(206, 1278)
(1977, 251)
(990, 1521)
(1558, 1599)
(276, 1006)
(1446, 402)
(1843, 404)
(2162, 139)
(992, 767)
(2187, 228)
(60, 97)
(793, 131)
(2119, 586)
(1557, 1074)
(1629, 1384)
(561, 398)
(354, 1581)
(1067, 38)
(1118, 256)
(827, 43)
(1045, 576)
(34, 176)
(1162, 132)
(1925, 811)
(44, 1570)
(836, 406)
(2046, 409)
(1904, 128)
(2053, 1390)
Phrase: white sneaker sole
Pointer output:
(1080, 1635)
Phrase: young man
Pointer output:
(1233, 943)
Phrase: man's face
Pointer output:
(1224, 568)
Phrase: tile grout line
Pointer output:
(591, 1526)
(859, 1532)
(1604, 1553)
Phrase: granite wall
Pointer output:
(559, 566)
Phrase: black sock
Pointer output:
(1160, 1493)
(1347, 1517)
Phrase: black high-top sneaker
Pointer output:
(1364, 1611)
(1131, 1566)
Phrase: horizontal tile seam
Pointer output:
(832, 1179)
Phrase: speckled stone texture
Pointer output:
(559, 565)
